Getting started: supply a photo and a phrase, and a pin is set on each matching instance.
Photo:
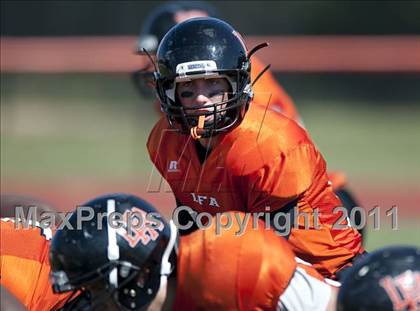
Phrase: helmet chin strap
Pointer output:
(196, 129)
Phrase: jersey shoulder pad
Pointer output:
(261, 139)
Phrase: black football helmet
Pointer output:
(157, 24)
(103, 258)
(164, 17)
(203, 47)
(385, 280)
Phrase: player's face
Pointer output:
(203, 93)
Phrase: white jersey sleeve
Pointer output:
(305, 292)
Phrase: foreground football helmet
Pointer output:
(206, 48)
(102, 259)
(386, 280)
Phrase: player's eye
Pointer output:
(186, 94)
(216, 93)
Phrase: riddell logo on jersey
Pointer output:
(173, 166)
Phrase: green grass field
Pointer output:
(60, 127)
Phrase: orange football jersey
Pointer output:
(268, 93)
(25, 267)
(266, 163)
(232, 271)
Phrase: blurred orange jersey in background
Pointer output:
(268, 93)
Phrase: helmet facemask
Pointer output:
(204, 48)
(227, 113)
(143, 81)
(94, 289)
(137, 287)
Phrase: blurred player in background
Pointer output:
(220, 152)
(387, 280)
(111, 271)
(267, 91)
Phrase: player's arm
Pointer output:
(306, 292)
(284, 179)
(9, 302)
(300, 175)
(278, 186)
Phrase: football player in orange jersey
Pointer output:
(25, 267)
(255, 270)
(218, 151)
(267, 91)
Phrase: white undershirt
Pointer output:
(304, 292)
